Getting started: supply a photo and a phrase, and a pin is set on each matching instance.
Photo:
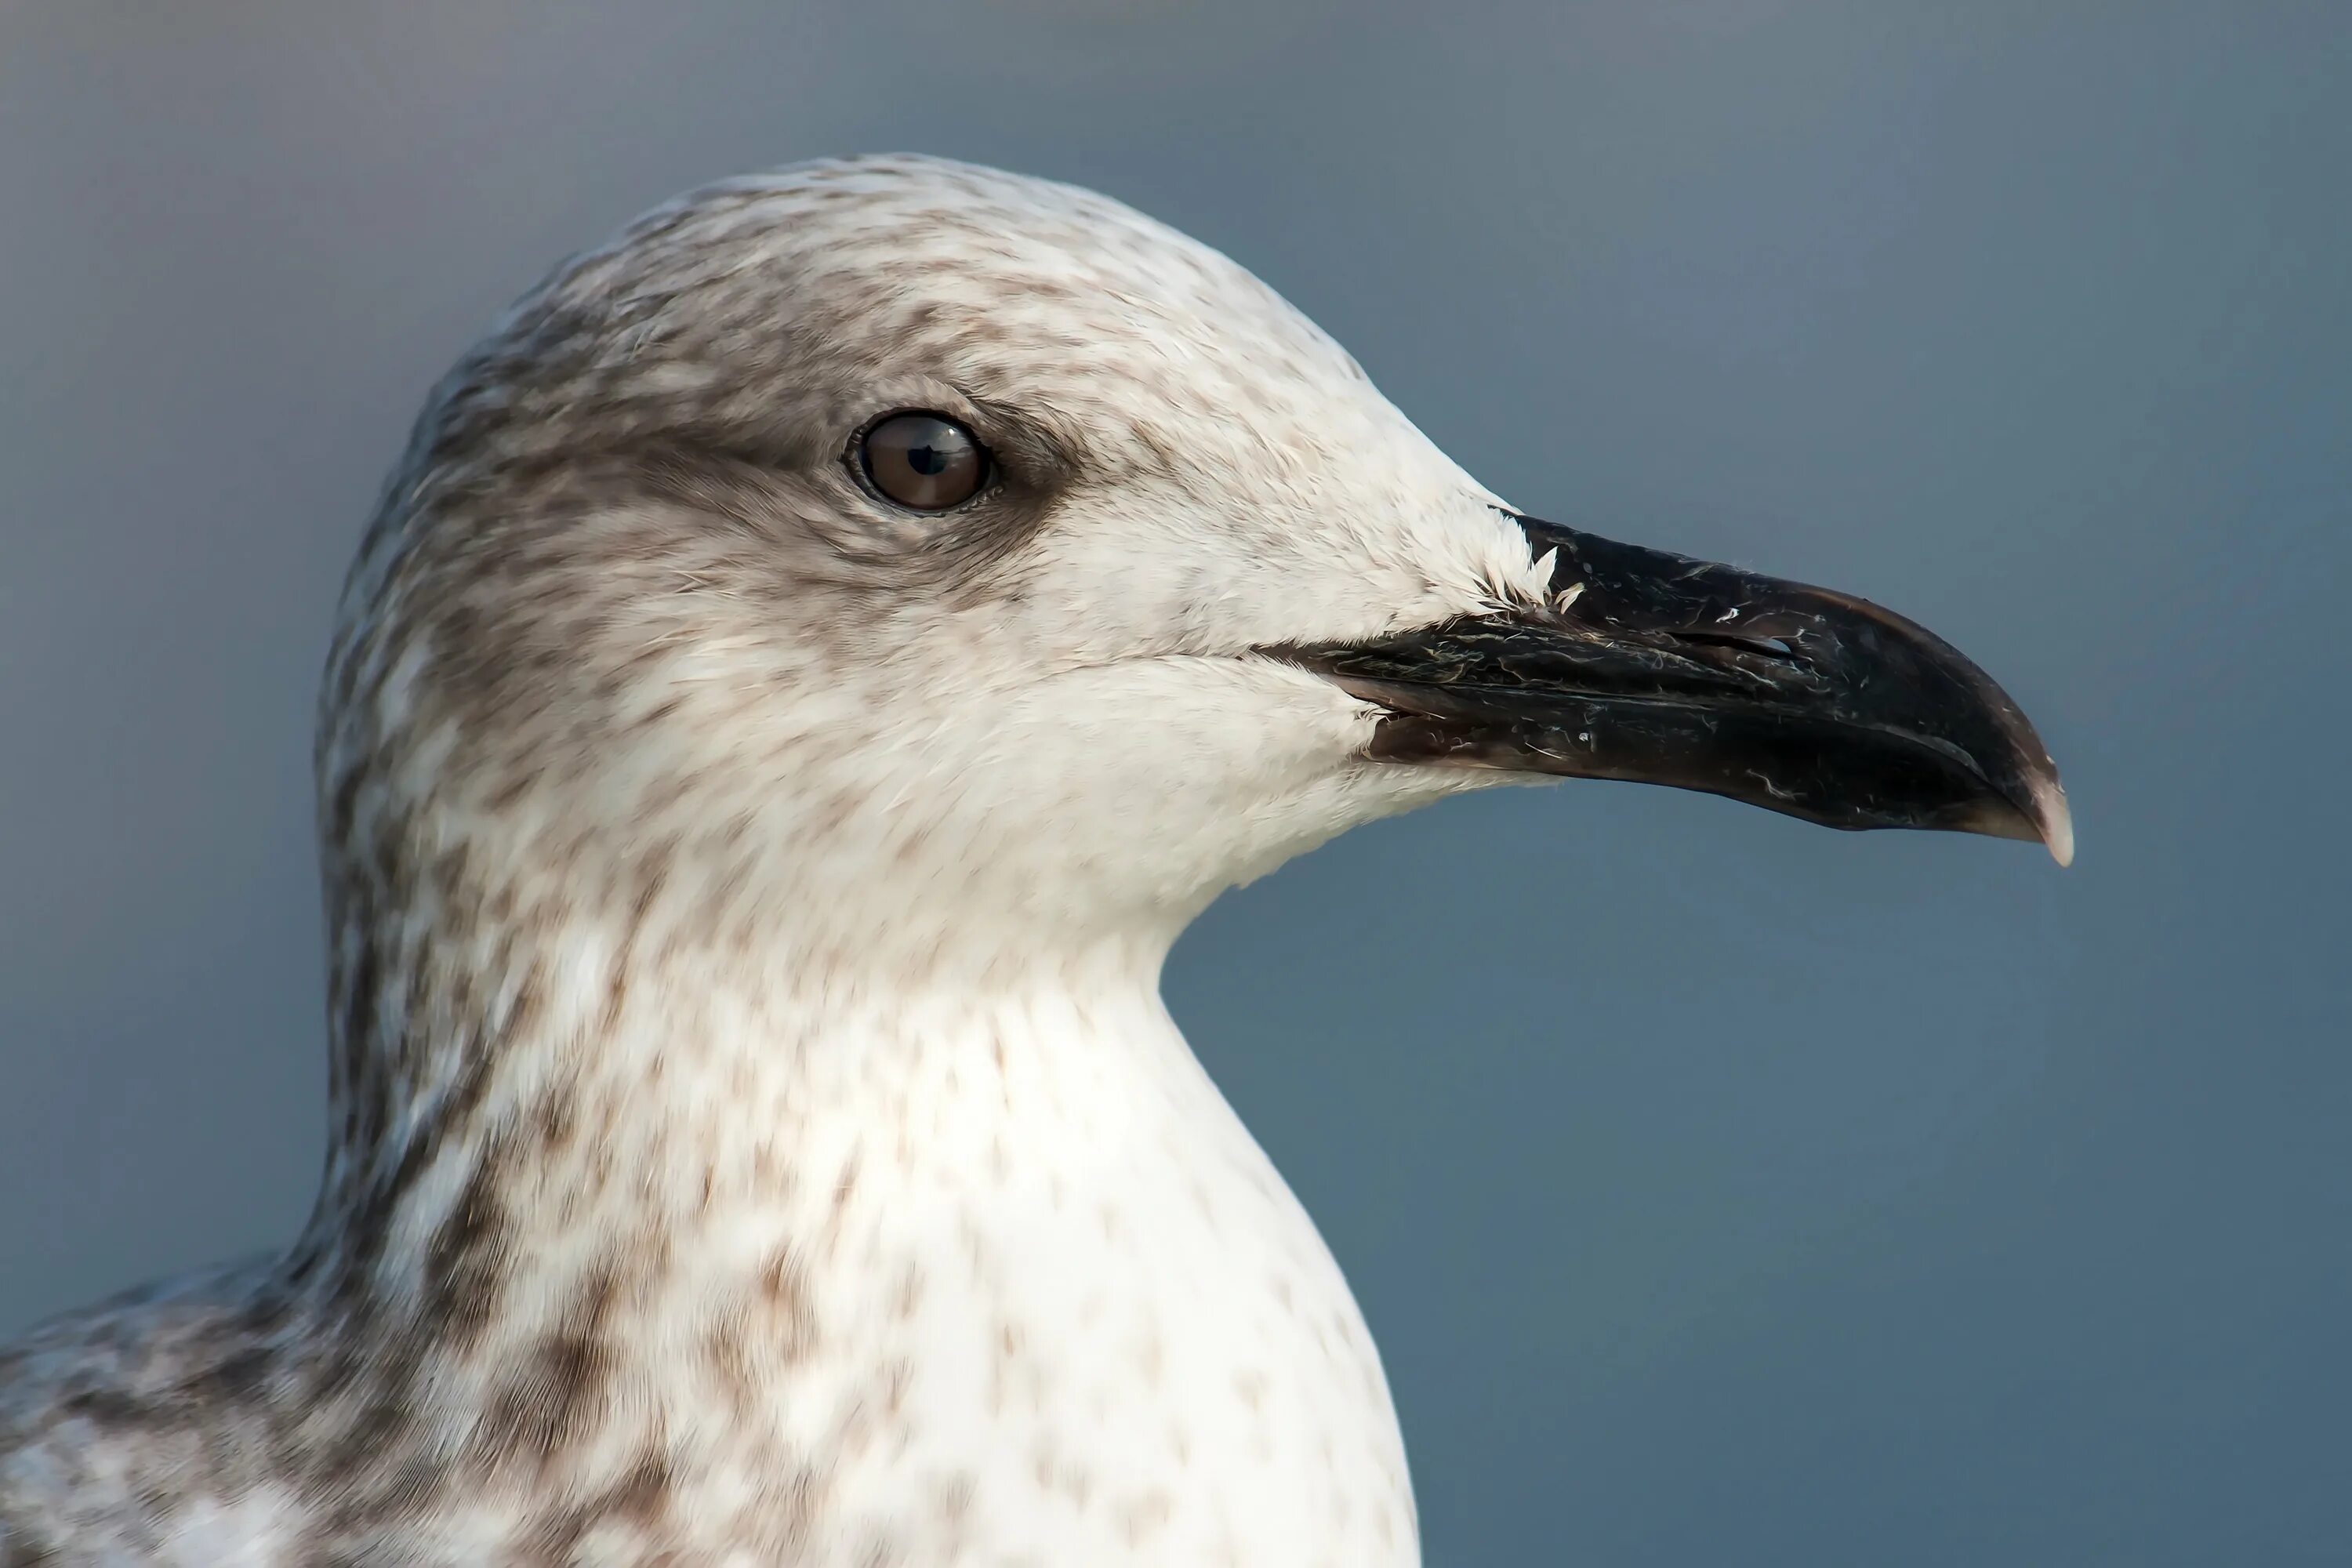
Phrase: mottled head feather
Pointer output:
(723, 864)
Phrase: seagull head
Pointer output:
(883, 552)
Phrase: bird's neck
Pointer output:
(527, 1127)
(656, 1221)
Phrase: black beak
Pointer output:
(1659, 669)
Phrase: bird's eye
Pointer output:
(925, 462)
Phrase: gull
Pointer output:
(812, 658)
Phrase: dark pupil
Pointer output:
(924, 462)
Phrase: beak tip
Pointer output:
(2057, 822)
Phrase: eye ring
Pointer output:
(921, 459)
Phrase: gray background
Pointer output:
(1721, 1190)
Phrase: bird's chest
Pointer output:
(1053, 1320)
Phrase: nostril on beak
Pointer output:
(1779, 649)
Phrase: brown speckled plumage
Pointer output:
(754, 1134)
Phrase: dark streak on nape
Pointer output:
(238, 1378)
(357, 1018)
(108, 1407)
(367, 1216)
(269, 1312)
(560, 1384)
(555, 1120)
(464, 1263)
(342, 805)
(552, 1397)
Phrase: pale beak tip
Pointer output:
(2057, 822)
